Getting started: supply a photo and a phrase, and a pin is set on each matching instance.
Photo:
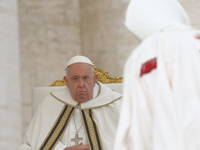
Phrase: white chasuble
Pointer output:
(58, 118)
(161, 106)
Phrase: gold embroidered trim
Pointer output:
(62, 100)
(58, 128)
(99, 88)
(104, 104)
(97, 130)
(91, 130)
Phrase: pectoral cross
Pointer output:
(76, 139)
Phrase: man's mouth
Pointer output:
(81, 92)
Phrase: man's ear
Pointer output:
(65, 79)
(95, 78)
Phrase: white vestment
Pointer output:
(161, 95)
(104, 110)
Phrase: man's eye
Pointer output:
(86, 78)
(74, 79)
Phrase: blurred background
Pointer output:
(37, 38)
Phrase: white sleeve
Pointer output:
(60, 146)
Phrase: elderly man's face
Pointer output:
(80, 80)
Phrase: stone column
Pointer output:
(10, 101)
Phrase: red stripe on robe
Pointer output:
(148, 66)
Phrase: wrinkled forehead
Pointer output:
(80, 69)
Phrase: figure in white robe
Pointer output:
(161, 95)
(67, 121)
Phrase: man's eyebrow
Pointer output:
(74, 76)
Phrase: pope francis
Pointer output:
(82, 116)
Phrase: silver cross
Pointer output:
(76, 139)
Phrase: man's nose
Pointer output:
(80, 83)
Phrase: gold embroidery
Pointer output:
(91, 129)
(62, 101)
(58, 128)
(99, 88)
(104, 104)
